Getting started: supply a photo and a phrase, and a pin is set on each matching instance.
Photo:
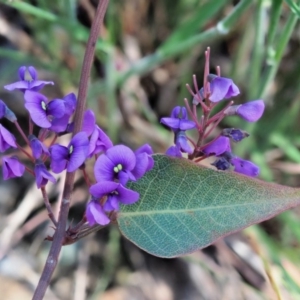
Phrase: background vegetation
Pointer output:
(148, 52)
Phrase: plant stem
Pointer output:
(25, 152)
(48, 206)
(59, 234)
(22, 132)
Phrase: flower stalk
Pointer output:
(59, 234)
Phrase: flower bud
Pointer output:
(235, 134)
(250, 111)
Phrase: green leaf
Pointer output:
(184, 207)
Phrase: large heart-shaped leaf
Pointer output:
(184, 207)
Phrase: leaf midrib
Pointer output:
(176, 211)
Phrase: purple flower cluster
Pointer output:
(215, 90)
(113, 170)
(179, 124)
(114, 167)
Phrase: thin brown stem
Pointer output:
(220, 114)
(60, 231)
(29, 171)
(218, 70)
(207, 144)
(25, 152)
(192, 115)
(212, 128)
(206, 86)
(30, 126)
(86, 177)
(22, 132)
(42, 134)
(48, 206)
(54, 140)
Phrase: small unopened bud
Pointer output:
(231, 110)
(250, 111)
(211, 77)
(6, 112)
(200, 97)
(10, 115)
(222, 164)
(2, 109)
(235, 134)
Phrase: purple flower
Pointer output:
(99, 141)
(7, 140)
(144, 161)
(9, 115)
(251, 111)
(217, 147)
(23, 85)
(96, 214)
(71, 157)
(2, 109)
(117, 163)
(181, 142)
(200, 97)
(222, 163)
(235, 134)
(116, 193)
(221, 88)
(177, 122)
(60, 124)
(37, 147)
(12, 167)
(41, 111)
(245, 167)
(42, 175)
(174, 151)
(88, 124)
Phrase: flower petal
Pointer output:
(124, 177)
(99, 141)
(251, 111)
(181, 142)
(70, 103)
(12, 167)
(7, 140)
(89, 122)
(33, 73)
(111, 203)
(60, 124)
(123, 155)
(145, 148)
(80, 149)
(127, 196)
(174, 151)
(34, 103)
(95, 214)
(42, 175)
(59, 158)
(173, 123)
(222, 88)
(186, 124)
(217, 147)
(104, 169)
(56, 108)
(21, 72)
(103, 188)
(19, 85)
(245, 167)
(38, 85)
